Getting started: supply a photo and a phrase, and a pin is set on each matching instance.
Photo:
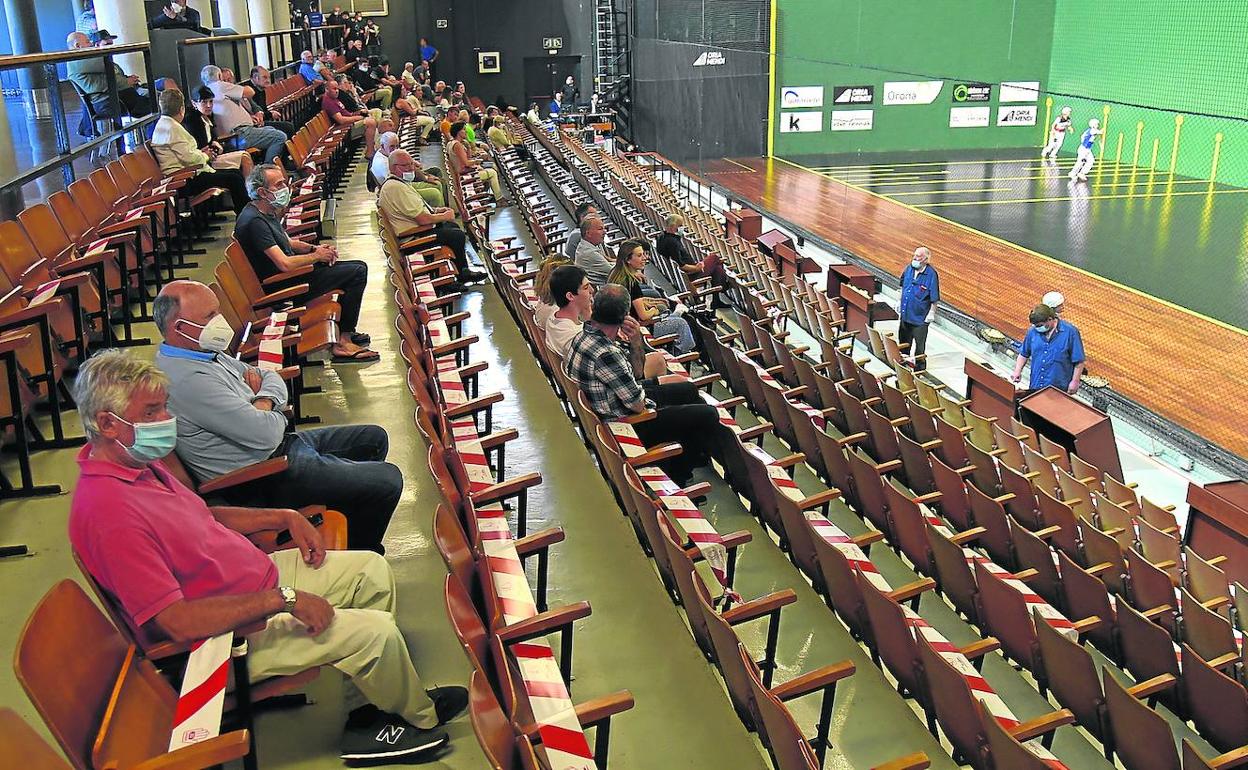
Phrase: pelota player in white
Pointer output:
(1057, 135)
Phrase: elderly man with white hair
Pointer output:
(186, 571)
(920, 291)
(92, 78)
(408, 212)
(428, 185)
(233, 123)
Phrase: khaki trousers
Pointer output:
(362, 641)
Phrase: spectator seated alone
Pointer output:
(231, 415)
(260, 233)
(186, 571)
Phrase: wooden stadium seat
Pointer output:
(1006, 751)
(19, 744)
(1148, 587)
(1216, 703)
(1035, 556)
(778, 729)
(1150, 745)
(100, 700)
(988, 514)
(1071, 675)
(1164, 551)
(1192, 759)
(1084, 596)
(957, 713)
(1147, 649)
(1208, 633)
(1207, 582)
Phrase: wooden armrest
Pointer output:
(701, 489)
(531, 544)
(288, 294)
(280, 278)
(1224, 660)
(852, 438)
(930, 497)
(260, 470)
(1042, 725)
(760, 607)
(1090, 623)
(543, 623)
(214, 751)
(818, 499)
(814, 681)
(505, 489)
(749, 434)
(12, 342)
(1047, 532)
(910, 590)
(891, 465)
(790, 461)
(474, 405)
(498, 438)
(593, 712)
(916, 761)
(737, 539)
(655, 455)
(867, 538)
(967, 535)
(1150, 687)
(1160, 609)
(979, 649)
(643, 416)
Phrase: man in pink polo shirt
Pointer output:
(187, 571)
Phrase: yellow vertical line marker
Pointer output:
(1100, 167)
(1174, 148)
(1217, 152)
(1118, 157)
(1135, 154)
(771, 83)
(1048, 116)
(1152, 164)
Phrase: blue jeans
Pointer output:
(268, 139)
(678, 326)
(344, 469)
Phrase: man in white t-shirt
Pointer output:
(234, 123)
(574, 294)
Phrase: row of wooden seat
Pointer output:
(467, 458)
(963, 564)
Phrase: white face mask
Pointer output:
(916, 264)
(176, 7)
(214, 336)
(408, 176)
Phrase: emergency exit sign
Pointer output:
(554, 43)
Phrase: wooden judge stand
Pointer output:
(862, 309)
(1217, 525)
(783, 253)
(743, 222)
(1080, 428)
(853, 275)
(990, 394)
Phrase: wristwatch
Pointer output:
(289, 596)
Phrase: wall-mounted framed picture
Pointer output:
(489, 62)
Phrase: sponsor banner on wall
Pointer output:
(920, 92)
(969, 117)
(852, 120)
(1016, 116)
(1020, 91)
(709, 59)
(801, 122)
(801, 96)
(853, 95)
(972, 92)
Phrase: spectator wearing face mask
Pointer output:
(176, 15)
(1055, 349)
(920, 291)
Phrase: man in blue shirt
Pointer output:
(307, 68)
(1085, 158)
(920, 291)
(1055, 350)
(429, 54)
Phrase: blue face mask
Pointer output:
(152, 440)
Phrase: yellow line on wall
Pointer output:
(771, 83)
(1033, 252)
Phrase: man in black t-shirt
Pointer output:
(671, 245)
(263, 238)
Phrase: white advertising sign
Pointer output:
(792, 97)
(969, 117)
(801, 122)
(921, 92)
(1020, 91)
(1016, 116)
(852, 120)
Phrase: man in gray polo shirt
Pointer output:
(230, 416)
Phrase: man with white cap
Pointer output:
(1085, 158)
(1057, 135)
(1055, 300)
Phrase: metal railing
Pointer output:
(283, 45)
(63, 161)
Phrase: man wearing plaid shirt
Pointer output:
(606, 377)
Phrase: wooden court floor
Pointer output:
(1183, 365)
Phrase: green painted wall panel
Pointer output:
(870, 42)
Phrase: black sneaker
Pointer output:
(386, 738)
(448, 702)
(472, 276)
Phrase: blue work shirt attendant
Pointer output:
(920, 290)
(1055, 350)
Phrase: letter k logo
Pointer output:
(794, 124)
